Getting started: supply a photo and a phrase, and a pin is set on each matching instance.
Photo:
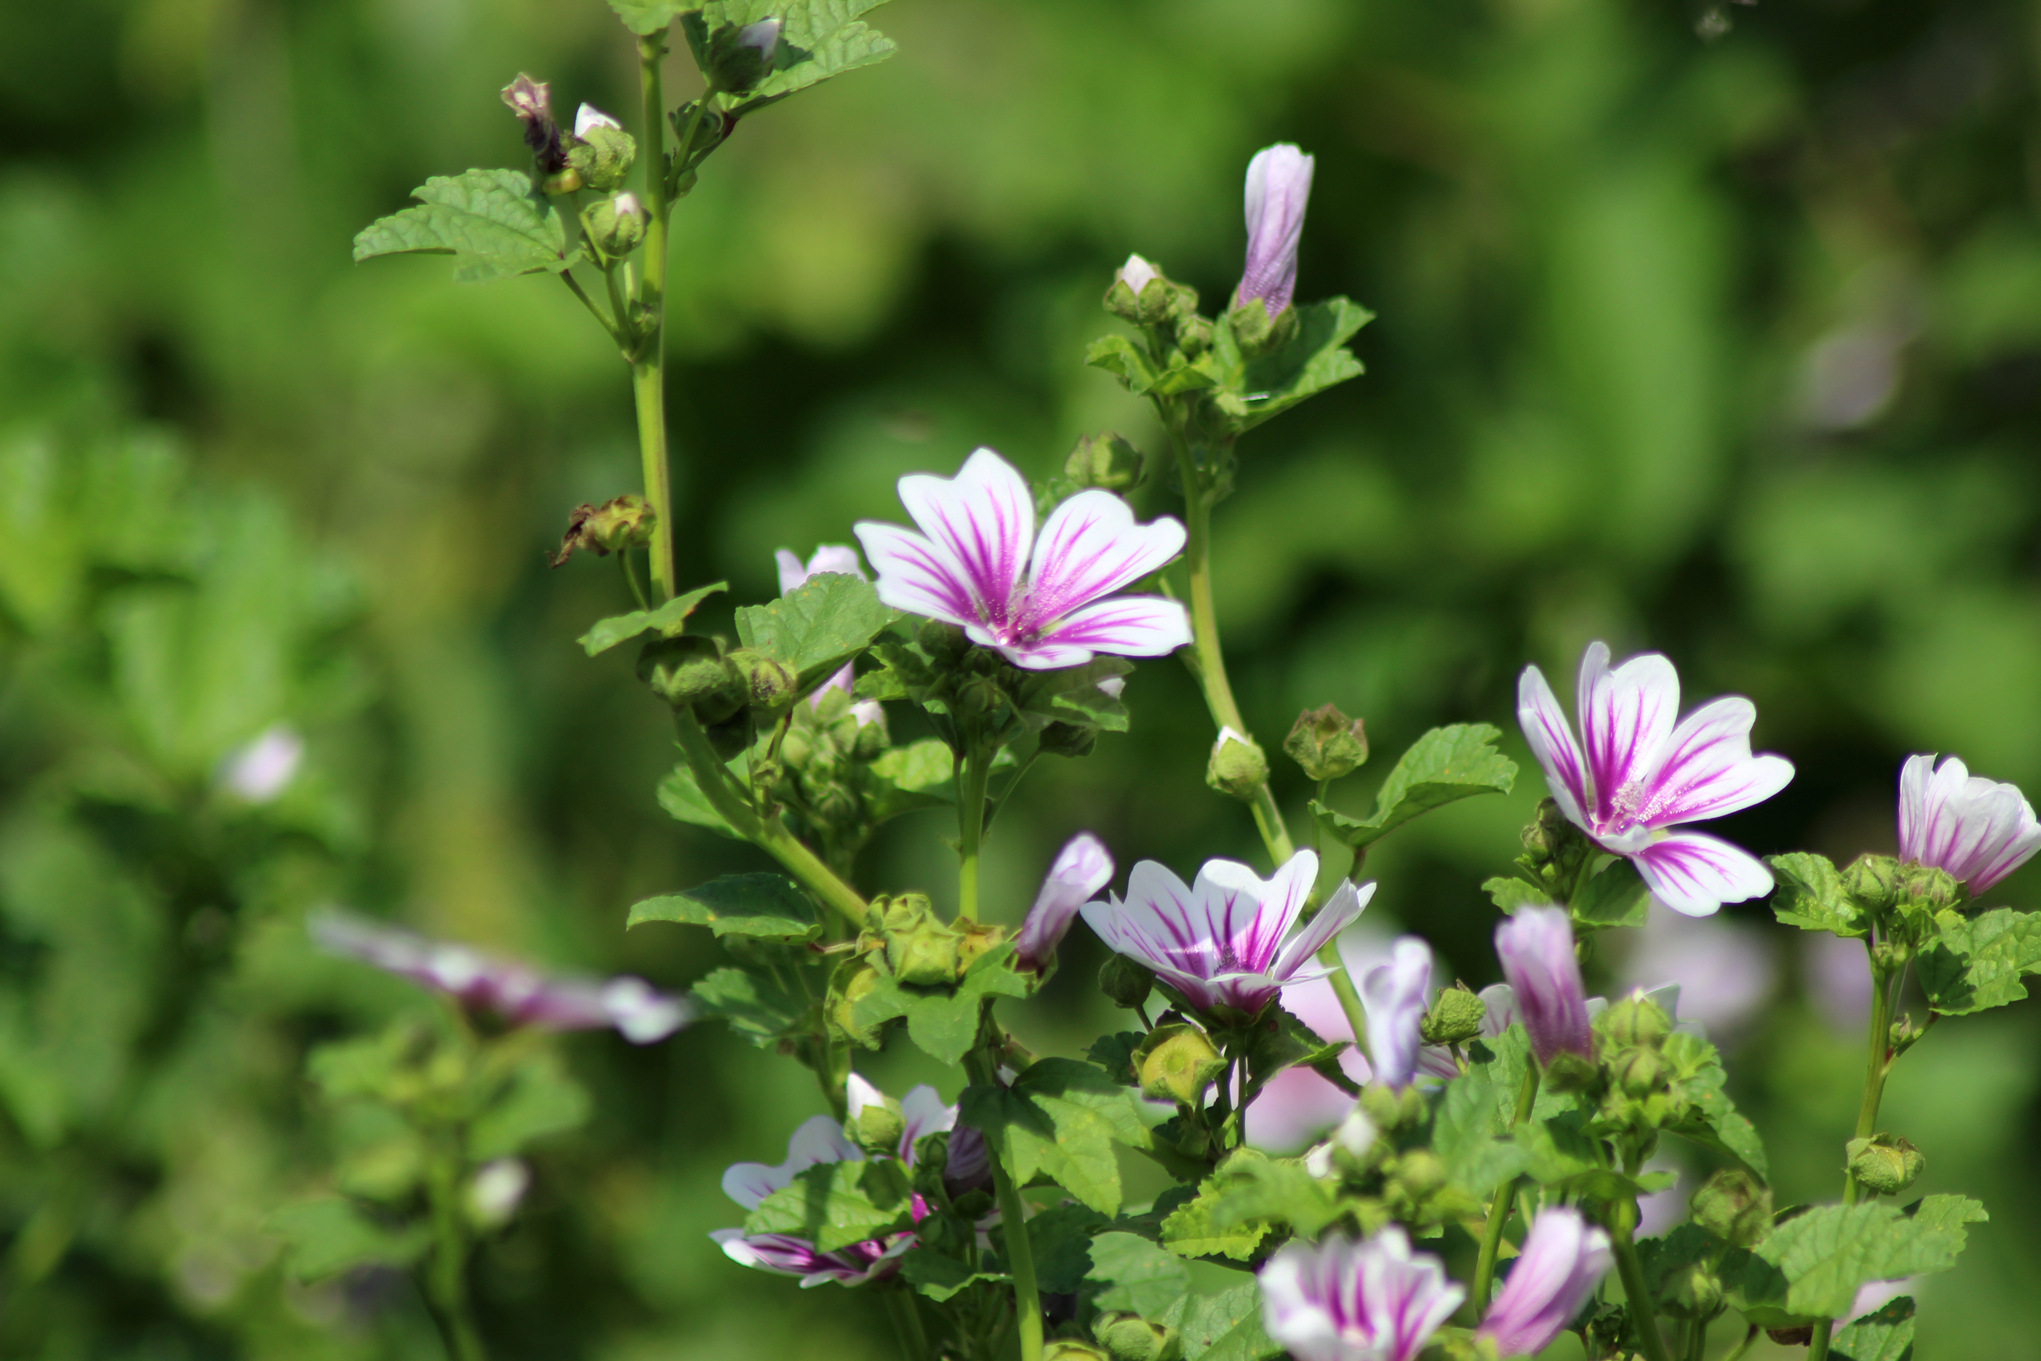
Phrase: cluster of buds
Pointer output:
(1899, 902)
(1556, 852)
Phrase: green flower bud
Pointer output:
(769, 685)
(1104, 460)
(1327, 743)
(1637, 1071)
(1927, 887)
(1570, 1072)
(693, 671)
(1734, 1206)
(1193, 333)
(878, 1129)
(1419, 1172)
(1691, 1291)
(1066, 1350)
(1454, 1018)
(1391, 1109)
(852, 982)
(1874, 881)
(920, 948)
(1885, 1163)
(1177, 1063)
(1553, 842)
(1129, 1337)
(1259, 334)
(625, 522)
(616, 225)
(1237, 767)
(1126, 982)
(1140, 294)
(1635, 1021)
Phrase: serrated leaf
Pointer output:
(1061, 1239)
(1132, 1274)
(834, 1205)
(1698, 1078)
(1618, 896)
(1196, 1229)
(1444, 766)
(942, 1022)
(682, 798)
(1120, 356)
(1886, 1335)
(1810, 895)
(1315, 359)
(754, 1004)
(1061, 1118)
(814, 629)
(764, 905)
(495, 221)
(1243, 1201)
(1072, 695)
(646, 17)
(668, 619)
(1976, 963)
(1510, 893)
(1832, 1251)
(919, 775)
(329, 1236)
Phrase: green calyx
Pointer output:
(1326, 743)
(1257, 333)
(1238, 766)
(623, 522)
(1454, 1018)
(1734, 1206)
(1129, 1337)
(1885, 1163)
(1125, 981)
(1105, 461)
(878, 1129)
(615, 226)
(1177, 1063)
(603, 158)
(692, 671)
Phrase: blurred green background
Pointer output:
(1714, 331)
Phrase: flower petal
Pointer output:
(818, 1140)
(916, 575)
(1707, 770)
(1339, 912)
(1551, 739)
(1696, 874)
(1125, 626)
(983, 520)
(1248, 917)
(1090, 548)
(1625, 717)
(1082, 868)
(925, 1113)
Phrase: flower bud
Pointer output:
(1237, 767)
(1193, 333)
(1140, 294)
(1104, 460)
(602, 152)
(850, 985)
(1873, 880)
(1177, 1063)
(1081, 869)
(1066, 1350)
(1327, 743)
(1885, 1163)
(920, 948)
(1637, 1071)
(622, 522)
(1455, 1017)
(1930, 888)
(1734, 1206)
(1536, 947)
(1278, 188)
(740, 58)
(878, 1129)
(1635, 1020)
(1419, 1173)
(616, 225)
(1125, 981)
(769, 685)
(495, 1191)
(1392, 1108)
(532, 102)
(692, 671)
(1569, 1072)
(1129, 1337)
(1692, 1291)
(1554, 842)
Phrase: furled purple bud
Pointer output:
(1563, 1259)
(1977, 830)
(532, 102)
(1373, 1300)
(1278, 186)
(1082, 868)
(1536, 946)
(1394, 994)
(763, 36)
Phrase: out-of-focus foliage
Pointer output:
(1725, 345)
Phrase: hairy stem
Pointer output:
(1877, 1065)
(648, 360)
(1499, 1209)
(975, 769)
(446, 1282)
(1020, 1254)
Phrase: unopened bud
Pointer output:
(770, 685)
(1570, 1072)
(740, 58)
(920, 948)
(602, 150)
(1129, 1337)
(1886, 1163)
(1635, 1021)
(1193, 333)
(1237, 767)
(1327, 743)
(878, 1129)
(1734, 1206)
(1926, 887)
(1066, 1350)
(1392, 1108)
(1873, 880)
(616, 225)
(1454, 1018)
(1419, 1172)
(532, 102)
(1637, 1071)
(1257, 333)
(1104, 460)
(692, 671)
(1177, 1062)
(850, 985)
(623, 522)
(1140, 294)
(1692, 1291)
(1126, 982)
(495, 1191)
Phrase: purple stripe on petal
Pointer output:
(984, 517)
(915, 575)
(1551, 741)
(1090, 548)
(1708, 770)
(1125, 626)
(1696, 874)
(1626, 715)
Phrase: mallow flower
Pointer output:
(1082, 868)
(822, 1140)
(1638, 775)
(1536, 948)
(1221, 941)
(518, 993)
(1278, 187)
(794, 574)
(1040, 600)
(1395, 996)
(1341, 1300)
(1563, 1259)
(1977, 830)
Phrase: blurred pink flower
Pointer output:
(1838, 980)
(1726, 970)
(1082, 868)
(1342, 1300)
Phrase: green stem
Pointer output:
(1749, 1340)
(975, 772)
(1349, 997)
(1499, 1209)
(1697, 1340)
(447, 1273)
(648, 361)
(769, 834)
(1020, 1254)
(574, 287)
(1877, 1065)
(907, 1324)
(1622, 1224)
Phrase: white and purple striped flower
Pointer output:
(519, 994)
(1082, 868)
(1395, 996)
(1639, 776)
(1373, 1300)
(1041, 601)
(1536, 949)
(1978, 830)
(1278, 187)
(1220, 941)
(1563, 1259)
(843, 560)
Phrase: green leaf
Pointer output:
(668, 619)
(919, 775)
(1072, 695)
(1975, 963)
(1225, 1326)
(818, 626)
(646, 17)
(754, 1004)
(1698, 1078)
(819, 40)
(1197, 1228)
(1241, 1202)
(834, 1205)
(495, 221)
(1444, 766)
(1061, 1118)
(1829, 1253)
(1465, 1135)
(326, 1237)
(1886, 1335)
(1615, 897)
(769, 906)
(1119, 355)
(1810, 895)
(1060, 1237)
(1511, 893)
(1130, 1273)
(1315, 359)
(940, 1276)
(541, 1099)
(943, 1022)
(683, 800)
